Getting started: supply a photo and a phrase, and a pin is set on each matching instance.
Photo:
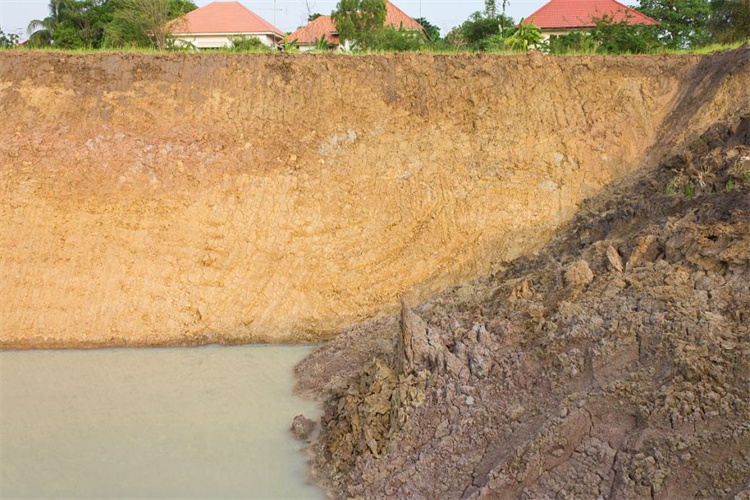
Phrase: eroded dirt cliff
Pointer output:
(612, 364)
(181, 199)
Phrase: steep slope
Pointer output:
(612, 364)
(182, 199)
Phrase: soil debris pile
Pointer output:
(613, 364)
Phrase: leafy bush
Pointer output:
(622, 38)
(575, 42)
(389, 39)
(322, 44)
(527, 36)
(480, 31)
(66, 37)
(608, 37)
(494, 43)
(248, 44)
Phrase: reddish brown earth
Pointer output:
(614, 363)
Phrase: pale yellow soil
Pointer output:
(183, 199)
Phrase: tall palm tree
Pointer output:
(41, 30)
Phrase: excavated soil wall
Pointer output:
(182, 199)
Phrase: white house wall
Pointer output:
(216, 41)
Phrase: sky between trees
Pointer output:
(290, 14)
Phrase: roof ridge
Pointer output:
(579, 14)
(389, 3)
(256, 16)
(627, 8)
(222, 16)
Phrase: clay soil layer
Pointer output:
(183, 199)
(611, 364)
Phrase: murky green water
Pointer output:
(151, 423)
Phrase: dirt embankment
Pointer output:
(612, 364)
(181, 199)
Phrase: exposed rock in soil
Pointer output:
(302, 427)
(613, 364)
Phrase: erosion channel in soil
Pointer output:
(535, 271)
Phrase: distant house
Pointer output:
(560, 17)
(218, 23)
(323, 26)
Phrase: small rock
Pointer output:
(646, 250)
(613, 288)
(614, 259)
(515, 413)
(302, 427)
(442, 430)
(470, 400)
(522, 291)
(536, 311)
(578, 274)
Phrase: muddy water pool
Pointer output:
(209, 422)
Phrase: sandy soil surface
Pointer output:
(187, 199)
(614, 363)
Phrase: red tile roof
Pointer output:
(567, 14)
(324, 25)
(396, 17)
(223, 17)
(317, 28)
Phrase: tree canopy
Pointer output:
(71, 24)
(433, 32)
(8, 40)
(144, 23)
(356, 19)
(96, 23)
(730, 20)
(683, 23)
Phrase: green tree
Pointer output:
(526, 36)
(475, 31)
(8, 40)
(71, 24)
(490, 8)
(355, 19)
(572, 43)
(313, 17)
(62, 13)
(683, 23)
(433, 32)
(623, 38)
(146, 23)
(730, 20)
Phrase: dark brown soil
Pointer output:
(613, 364)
